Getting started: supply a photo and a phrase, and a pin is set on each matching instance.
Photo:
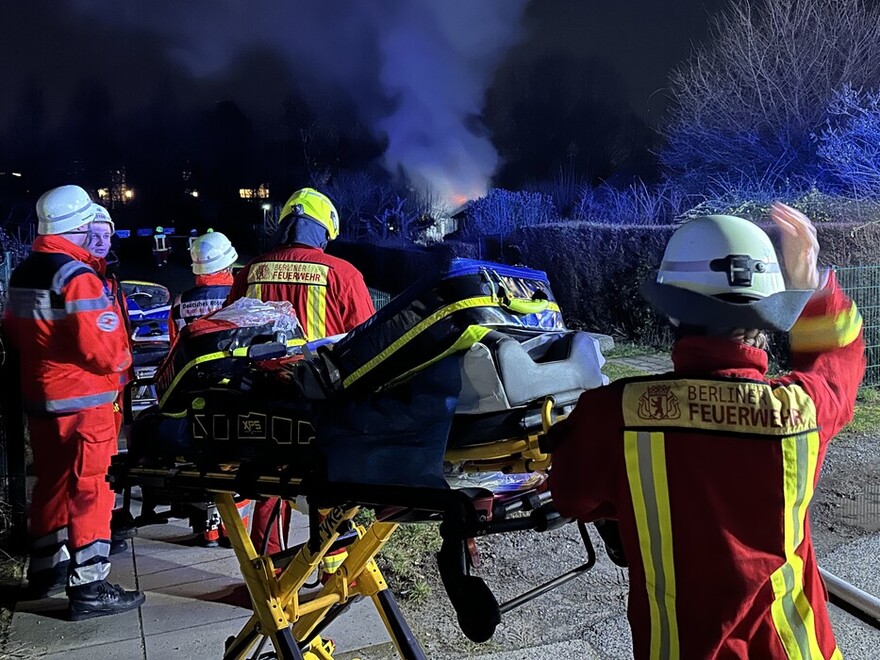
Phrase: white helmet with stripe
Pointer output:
(64, 209)
(212, 253)
(720, 271)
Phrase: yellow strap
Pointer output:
(421, 326)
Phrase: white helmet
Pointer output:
(102, 215)
(211, 253)
(721, 255)
(720, 271)
(63, 209)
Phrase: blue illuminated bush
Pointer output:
(503, 211)
(850, 142)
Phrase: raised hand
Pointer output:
(800, 248)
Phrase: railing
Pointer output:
(862, 283)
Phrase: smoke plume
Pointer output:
(416, 70)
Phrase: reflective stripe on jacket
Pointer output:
(208, 295)
(328, 294)
(69, 333)
(709, 471)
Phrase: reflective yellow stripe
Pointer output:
(421, 326)
(254, 291)
(791, 611)
(238, 352)
(316, 319)
(836, 655)
(468, 338)
(331, 563)
(645, 455)
(825, 333)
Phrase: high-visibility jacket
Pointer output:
(709, 471)
(70, 334)
(208, 295)
(328, 294)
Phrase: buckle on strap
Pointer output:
(739, 268)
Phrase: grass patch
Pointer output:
(616, 371)
(405, 558)
(867, 416)
(627, 349)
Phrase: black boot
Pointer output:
(42, 584)
(101, 598)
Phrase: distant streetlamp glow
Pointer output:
(267, 207)
(16, 174)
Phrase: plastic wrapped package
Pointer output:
(251, 312)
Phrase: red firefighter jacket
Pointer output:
(710, 471)
(206, 296)
(328, 294)
(69, 332)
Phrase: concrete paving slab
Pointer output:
(132, 649)
(42, 629)
(206, 640)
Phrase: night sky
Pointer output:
(451, 92)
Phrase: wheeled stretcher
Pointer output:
(467, 370)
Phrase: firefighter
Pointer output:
(328, 294)
(161, 249)
(212, 259)
(73, 346)
(709, 470)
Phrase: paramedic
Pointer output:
(73, 348)
(212, 259)
(328, 294)
(709, 470)
(102, 230)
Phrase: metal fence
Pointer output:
(862, 283)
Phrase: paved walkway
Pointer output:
(188, 612)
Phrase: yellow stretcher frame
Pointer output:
(289, 621)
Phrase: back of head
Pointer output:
(212, 253)
(721, 272)
(64, 209)
(320, 221)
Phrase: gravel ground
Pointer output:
(586, 617)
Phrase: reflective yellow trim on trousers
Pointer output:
(791, 611)
(825, 333)
(645, 455)
(421, 326)
(316, 319)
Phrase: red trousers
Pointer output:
(71, 456)
(262, 514)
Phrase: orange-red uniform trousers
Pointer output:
(709, 471)
(74, 348)
(330, 298)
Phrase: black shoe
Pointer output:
(122, 525)
(118, 546)
(43, 584)
(96, 599)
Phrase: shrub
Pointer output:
(638, 204)
(501, 212)
(850, 142)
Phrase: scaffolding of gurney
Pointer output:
(468, 370)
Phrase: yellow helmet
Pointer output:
(309, 203)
